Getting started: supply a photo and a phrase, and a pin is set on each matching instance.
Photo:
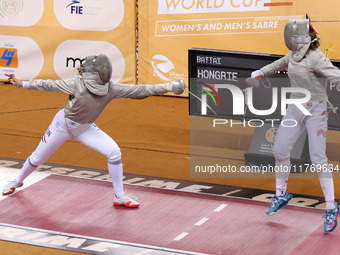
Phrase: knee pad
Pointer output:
(318, 160)
(281, 155)
(34, 160)
(115, 157)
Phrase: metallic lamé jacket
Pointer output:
(311, 73)
(84, 106)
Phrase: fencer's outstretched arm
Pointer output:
(66, 86)
(14, 80)
(119, 90)
(277, 65)
(321, 65)
(268, 70)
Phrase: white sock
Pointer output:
(26, 170)
(282, 171)
(116, 173)
(330, 205)
(281, 186)
(327, 187)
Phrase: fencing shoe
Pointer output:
(331, 219)
(278, 202)
(10, 187)
(125, 200)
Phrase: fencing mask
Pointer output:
(96, 73)
(297, 38)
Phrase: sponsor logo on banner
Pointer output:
(73, 2)
(71, 53)
(165, 69)
(74, 62)
(92, 15)
(75, 9)
(10, 7)
(13, 59)
(15, 13)
(271, 134)
(210, 6)
(162, 66)
(9, 57)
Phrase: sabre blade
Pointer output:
(308, 17)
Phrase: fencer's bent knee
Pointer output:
(115, 156)
(280, 153)
(318, 159)
(35, 160)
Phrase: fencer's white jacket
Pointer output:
(309, 73)
(84, 107)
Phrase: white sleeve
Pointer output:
(66, 86)
(324, 67)
(277, 65)
(26, 84)
(138, 91)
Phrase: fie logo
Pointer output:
(75, 9)
(9, 57)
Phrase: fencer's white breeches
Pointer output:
(94, 138)
(316, 126)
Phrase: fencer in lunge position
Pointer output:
(308, 68)
(89, 93)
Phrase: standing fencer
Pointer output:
(310, 69)
(89, 93)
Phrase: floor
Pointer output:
(169, 221)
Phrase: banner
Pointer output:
(169, 28)
(49, 39)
